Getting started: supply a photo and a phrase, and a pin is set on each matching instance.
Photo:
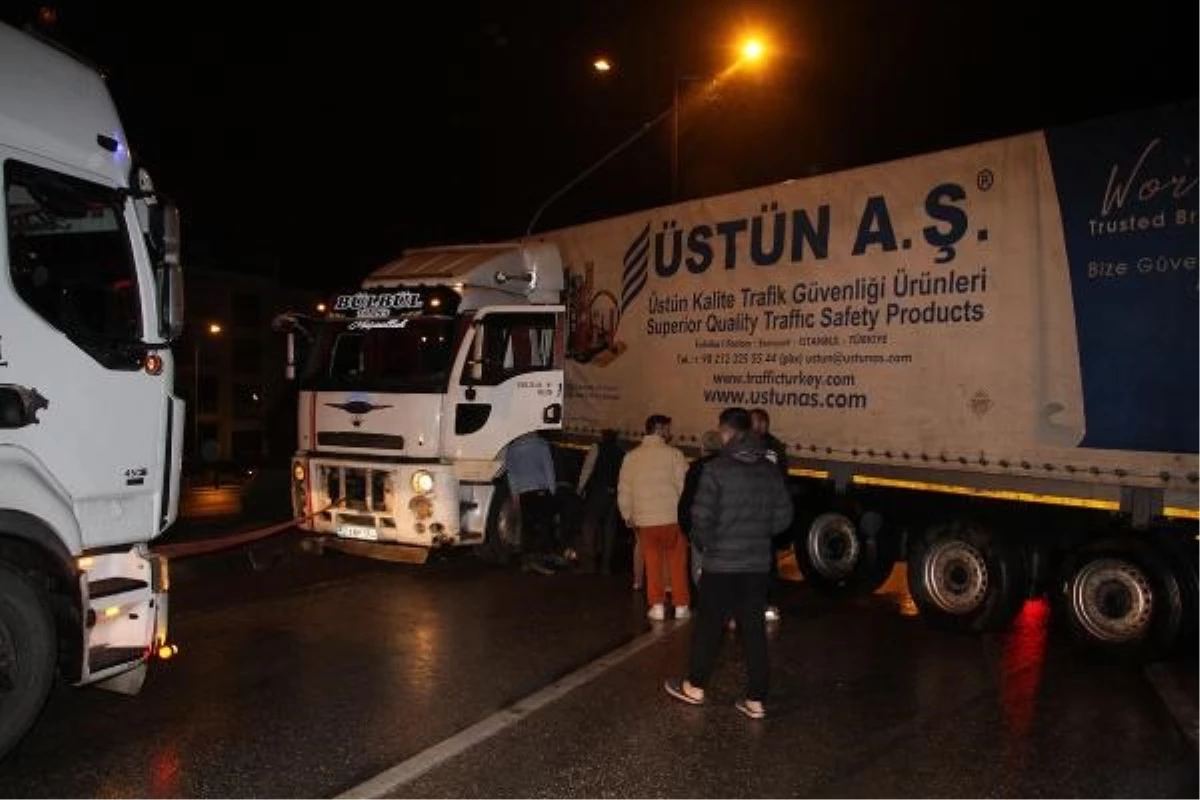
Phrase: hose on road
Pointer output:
(206, 546)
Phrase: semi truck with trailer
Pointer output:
(983, 363)
(90, 299)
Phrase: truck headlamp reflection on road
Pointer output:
(422, 482)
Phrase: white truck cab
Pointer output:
(90, 299)
(413, 387)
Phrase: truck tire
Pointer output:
(964, 579)
(1181, 551)
(502, 538)
(839, 558)
(28, 653)
(1121, 599)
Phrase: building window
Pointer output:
(247, 445)
(247, 311)
(209, 440)
(247, 357)
(247, 401)
(210, 395)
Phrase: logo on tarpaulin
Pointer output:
(596, 313)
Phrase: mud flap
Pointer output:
(128, 682)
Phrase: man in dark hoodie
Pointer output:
(741, 502)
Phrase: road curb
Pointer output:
(1167, 681)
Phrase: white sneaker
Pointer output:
(682, 612)
(657, 612)
(772, 614)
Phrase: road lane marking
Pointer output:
(1179, 703)
(385, 783)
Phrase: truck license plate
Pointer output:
(358, 532)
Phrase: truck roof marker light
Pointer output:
(85, 563)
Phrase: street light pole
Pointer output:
(212, 329)
(196, 398)
(751, 51)
(675, 139)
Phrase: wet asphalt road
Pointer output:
(306, 676)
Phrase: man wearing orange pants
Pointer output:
(648, 490)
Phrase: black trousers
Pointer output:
(537, 522)
(743, 596)
(599, 528)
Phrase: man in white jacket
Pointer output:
(648, 490)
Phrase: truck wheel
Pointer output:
(502, 539)
(964, 579)
(838, 558)
(1181, 552)
(1122, 599)
(28, 651)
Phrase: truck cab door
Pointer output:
(508, 380)
(75, 391)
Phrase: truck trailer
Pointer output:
(90, 299)
(983, 363)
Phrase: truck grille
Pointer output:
(377, 441)
(359, 488)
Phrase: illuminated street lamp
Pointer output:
(750, 51)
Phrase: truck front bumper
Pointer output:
(379, 504)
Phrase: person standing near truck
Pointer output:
(648, 490)
(598, 488)
(776, 453)
(530, 469)
(710, 448)
(741, 502)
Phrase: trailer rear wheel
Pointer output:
(28, 650)
(1121, 598)
(962, 578)
(1181, 551)
(838, 557)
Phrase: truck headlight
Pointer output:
(422, 482)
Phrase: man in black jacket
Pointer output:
(776, 453)
(741, 502)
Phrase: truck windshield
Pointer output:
(415, 356)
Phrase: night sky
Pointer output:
(323, 138)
